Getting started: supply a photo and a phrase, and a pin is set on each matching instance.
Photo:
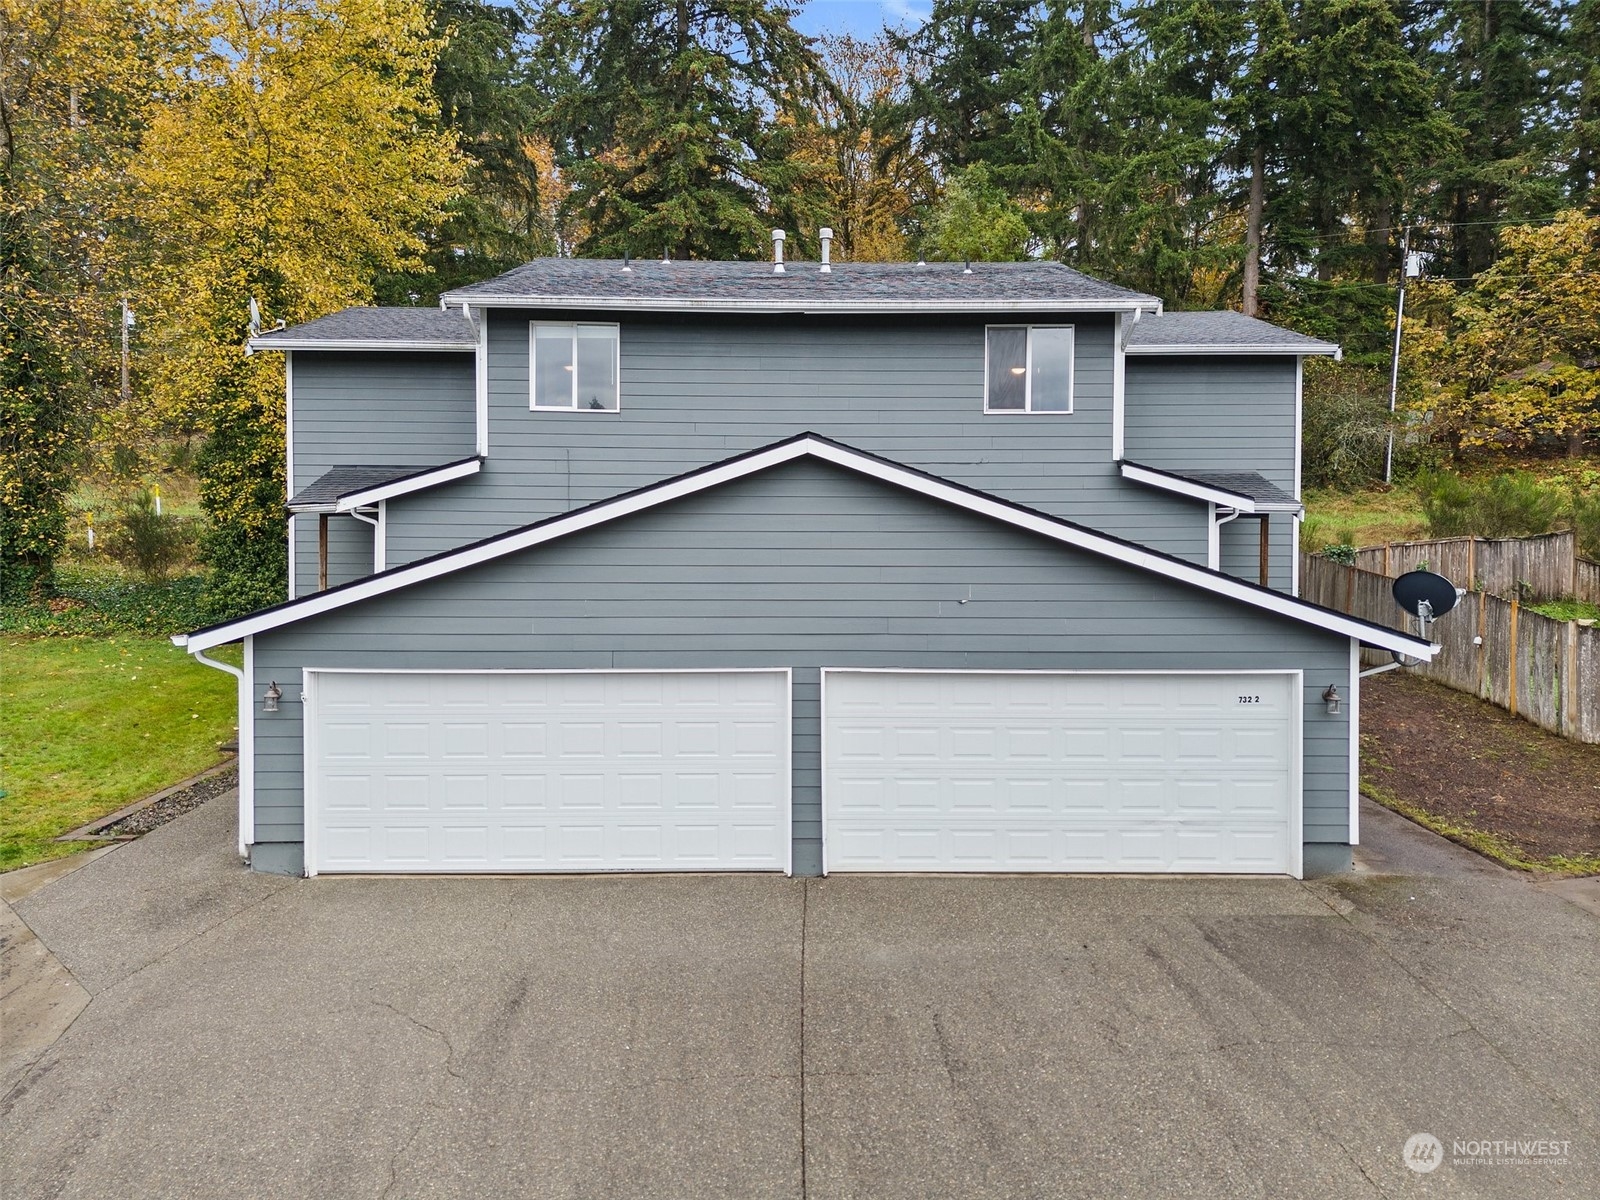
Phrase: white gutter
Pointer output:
(1196, 490)
(1300, 350)
(247, 740)
(270, 343)
(421, 481)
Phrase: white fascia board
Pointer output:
(356, 344)
(1300, 351)
(803, 447)
(402, 487)
(1211, 494)
(1221, 497)
(714, 305)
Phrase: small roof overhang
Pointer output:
(1243, 491)
(344, 489)
(810, 445)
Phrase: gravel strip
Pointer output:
(174, 805)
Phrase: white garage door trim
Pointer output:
(1296, 676)
(310, 754)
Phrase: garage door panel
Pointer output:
(549, 771)
(1057, 771)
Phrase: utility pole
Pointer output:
(1394, 361)
(127, 320)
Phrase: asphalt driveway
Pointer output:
(748, 1036)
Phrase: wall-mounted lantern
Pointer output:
(269, 702)
(1332, 699)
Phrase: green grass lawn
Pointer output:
(1367, 517)
(88, 725)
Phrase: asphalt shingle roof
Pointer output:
(1245, 483)
(755, 285)
(398, 326)
(326, 491)
(1219, 329)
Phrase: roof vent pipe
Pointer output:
(826, 235)
(777, 252)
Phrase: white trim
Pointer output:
(380, 538)
(1355, 742)
(309, 848)
(1213, 538)
(1119, 389)
(268, 342)
(1300, 350)
(812, 447)
(574, 407)
(1294, 554)
(1054, 304)
(822, 763)
(480, 383)
(247, 750)
(1297, 707)
(309, 725)
(367, 497)
(1225, 497)
(1027, 409)
(288, 455)
(1297, 779)
(1220, 497)
(1299, 433)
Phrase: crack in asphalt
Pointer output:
(1515, 1067)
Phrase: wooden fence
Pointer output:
(1536, 568)
(1545, 671)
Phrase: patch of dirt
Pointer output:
(175, 805)
(1476, 765)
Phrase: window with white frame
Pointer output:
(1029, 369)
(574, 366)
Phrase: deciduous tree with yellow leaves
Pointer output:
(290, 154)
(1518, 356)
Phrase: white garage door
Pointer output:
(547, 771)
(958, 771)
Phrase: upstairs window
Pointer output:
(1029, 369)
(574, 366)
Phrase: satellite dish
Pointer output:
(1416, 589)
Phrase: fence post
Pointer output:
(1516, 606)
(1386, 558)
(1570, 725)
(1483, 644)
(1472, 563)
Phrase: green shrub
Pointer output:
(1345, 426)
(1340, 552)
(1511, 504)
(147, 541)
(1586, 523)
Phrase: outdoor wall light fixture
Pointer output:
(1332, 699)
(269, 702)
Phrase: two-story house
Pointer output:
(647, 565)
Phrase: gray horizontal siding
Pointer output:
(695, 391)
(794, 568)
(390, 409)
(1214, 413)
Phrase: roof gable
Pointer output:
(806, 445)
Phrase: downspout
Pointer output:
(1214, 546)
(247, 782)
(377, 524)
